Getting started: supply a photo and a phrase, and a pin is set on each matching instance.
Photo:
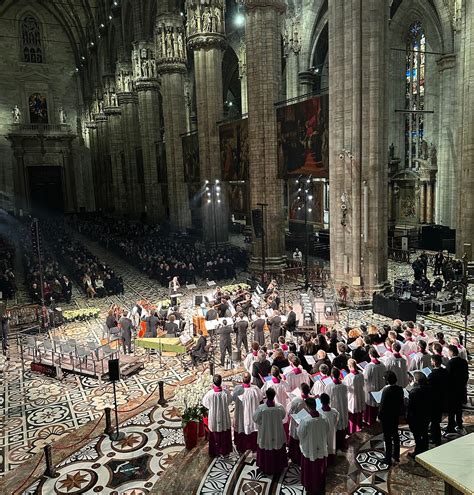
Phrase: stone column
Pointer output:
(263, 21)
(429, 201)
(243, 76)
(358, 52)
(104, 180)
(291, 50)
(114, 123)
(19, 181)
(446, 194)
(147, 86)
(128, 102)
(206, 37)
(422, 202)
(465, 228)
(91, 127)
(170, 42)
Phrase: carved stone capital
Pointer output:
(165, 67)
(91, 125)
(446, 62)
(147, 84)
(278, 5)
(126, 98)
(207, 41)
(112, 110)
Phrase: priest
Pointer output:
(354, 381)
(313, 434)
(247, 398)
(271, 448)
(217, 402)
(374, 381)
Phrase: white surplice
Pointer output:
(339, 400)
(319, 387)
(294, 407)
(282, 389)
(374, 381)
(409, 347)
(355, 392)
(313, 435)
(248, 361)
(295, 380)
(332, 417)
(271, 434)
(246, 400)
(420, 361)
(399, 366)
(218, 405)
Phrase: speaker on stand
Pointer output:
(114, 375)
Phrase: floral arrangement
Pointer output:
(234, 287)
(166, 303)
(80, 314)
(189, 397)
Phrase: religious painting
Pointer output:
(238, 201)
(38, 109)
(303, 138)
(315, 205)
(191, 157)
(234, 150)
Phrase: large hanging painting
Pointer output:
(191, 157)
(234, 149)
(314, 206)
(303, 138)
(238, 202)
(38, 109)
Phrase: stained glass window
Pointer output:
(414, 94)
(31, 40)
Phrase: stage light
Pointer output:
(239, 20)
(206, 181)
(308, 180)
(218, 188)
(208, 193)
(181, 14)
(217, 181)
(83, 58)
(208, 200)
(310, 210)
(102, 25)
(77, 69)
(110, 17)
(299, 190)
(115, 3)
(218, 193)
(218, 200)
(230, 103)
(310, 197)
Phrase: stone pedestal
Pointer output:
(147, 86)
(263, 21)
(171, 65)
(206, 38)
(358, 144)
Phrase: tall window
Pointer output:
(31, 40)
(415, 95)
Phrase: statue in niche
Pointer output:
(62, 116)
(391, 152)
(192, 25)
(114, 99)
(180, 46)
(433, 156)
(169, 43)
(206, 21)
(127, 83)
(424, 150)
(101, 107)
(143, 53)
(16, 115)
(217, 20)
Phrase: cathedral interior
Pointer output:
(321, 151)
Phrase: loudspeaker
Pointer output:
(114, 370)
(257, 222)
(466, 307)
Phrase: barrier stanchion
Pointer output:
(108, 421)
(162, 400)
(50, 471)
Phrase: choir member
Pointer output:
(458, 373)
(217, 401)
(251, 357)
(321, 358)
(438, 381)
(360, 352)
(257, 325)
(395, 362)
(354, 381)
(421, 335)
(340, 361)
(282, 389)
(374, 381)
(247, 398)
(260, 368)
(391, 407)
(462, 352)
(332, 417)
(313, 433)
(337, 392)
(437, 350)
(297, 375)
(319, 386)
(280, 360)
(418, 412)
(294, 407)
(271, 441)
(422, 359)
(409, 346)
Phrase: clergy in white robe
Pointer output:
(354, 381)
(294, 407)
(337, 392)
(217, 402)
(271, 448)
(332, 417)
(395, 362)
(319, 386)
(297, 375)
(422, 359)
(246, 398)
(374, 381)
(462, 353)
(409, 347)
(251, 357)
(313, 434)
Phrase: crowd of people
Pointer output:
(302, 399)
(161, 256)
(7, 278)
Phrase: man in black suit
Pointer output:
(458, 373)
(171, 328)
(225, 342)
(438, 381)
(419, 412)
(211, 314)
(241, 326)
(391, 407)
(199, 350)
(152, 325)
(126, 326)
(290, 319)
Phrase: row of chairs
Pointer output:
(69, 352)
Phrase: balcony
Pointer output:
(40, 129)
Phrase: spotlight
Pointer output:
(181, 14)
(83, 58)
(310, 197)
(206, 181)
(77, 69)
(115, 3)
(102, 25)
(310, 210)
(297, 181)
(308, 180)
(217, 181)
(230, 103)
(299, 190)
(218, 200)
(208, 200)
(218, 188)
(110, 17)
(239, 20)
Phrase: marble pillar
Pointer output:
(358, 176)
(170, 53)
(244, 104)
(206, 38)
(104, 178)
(465, 226)
(422, 202)
(429, 202)
(147, 86)
(263, 22)
(128, 101)
(91, 127)
(446, 194)
(291, 50)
